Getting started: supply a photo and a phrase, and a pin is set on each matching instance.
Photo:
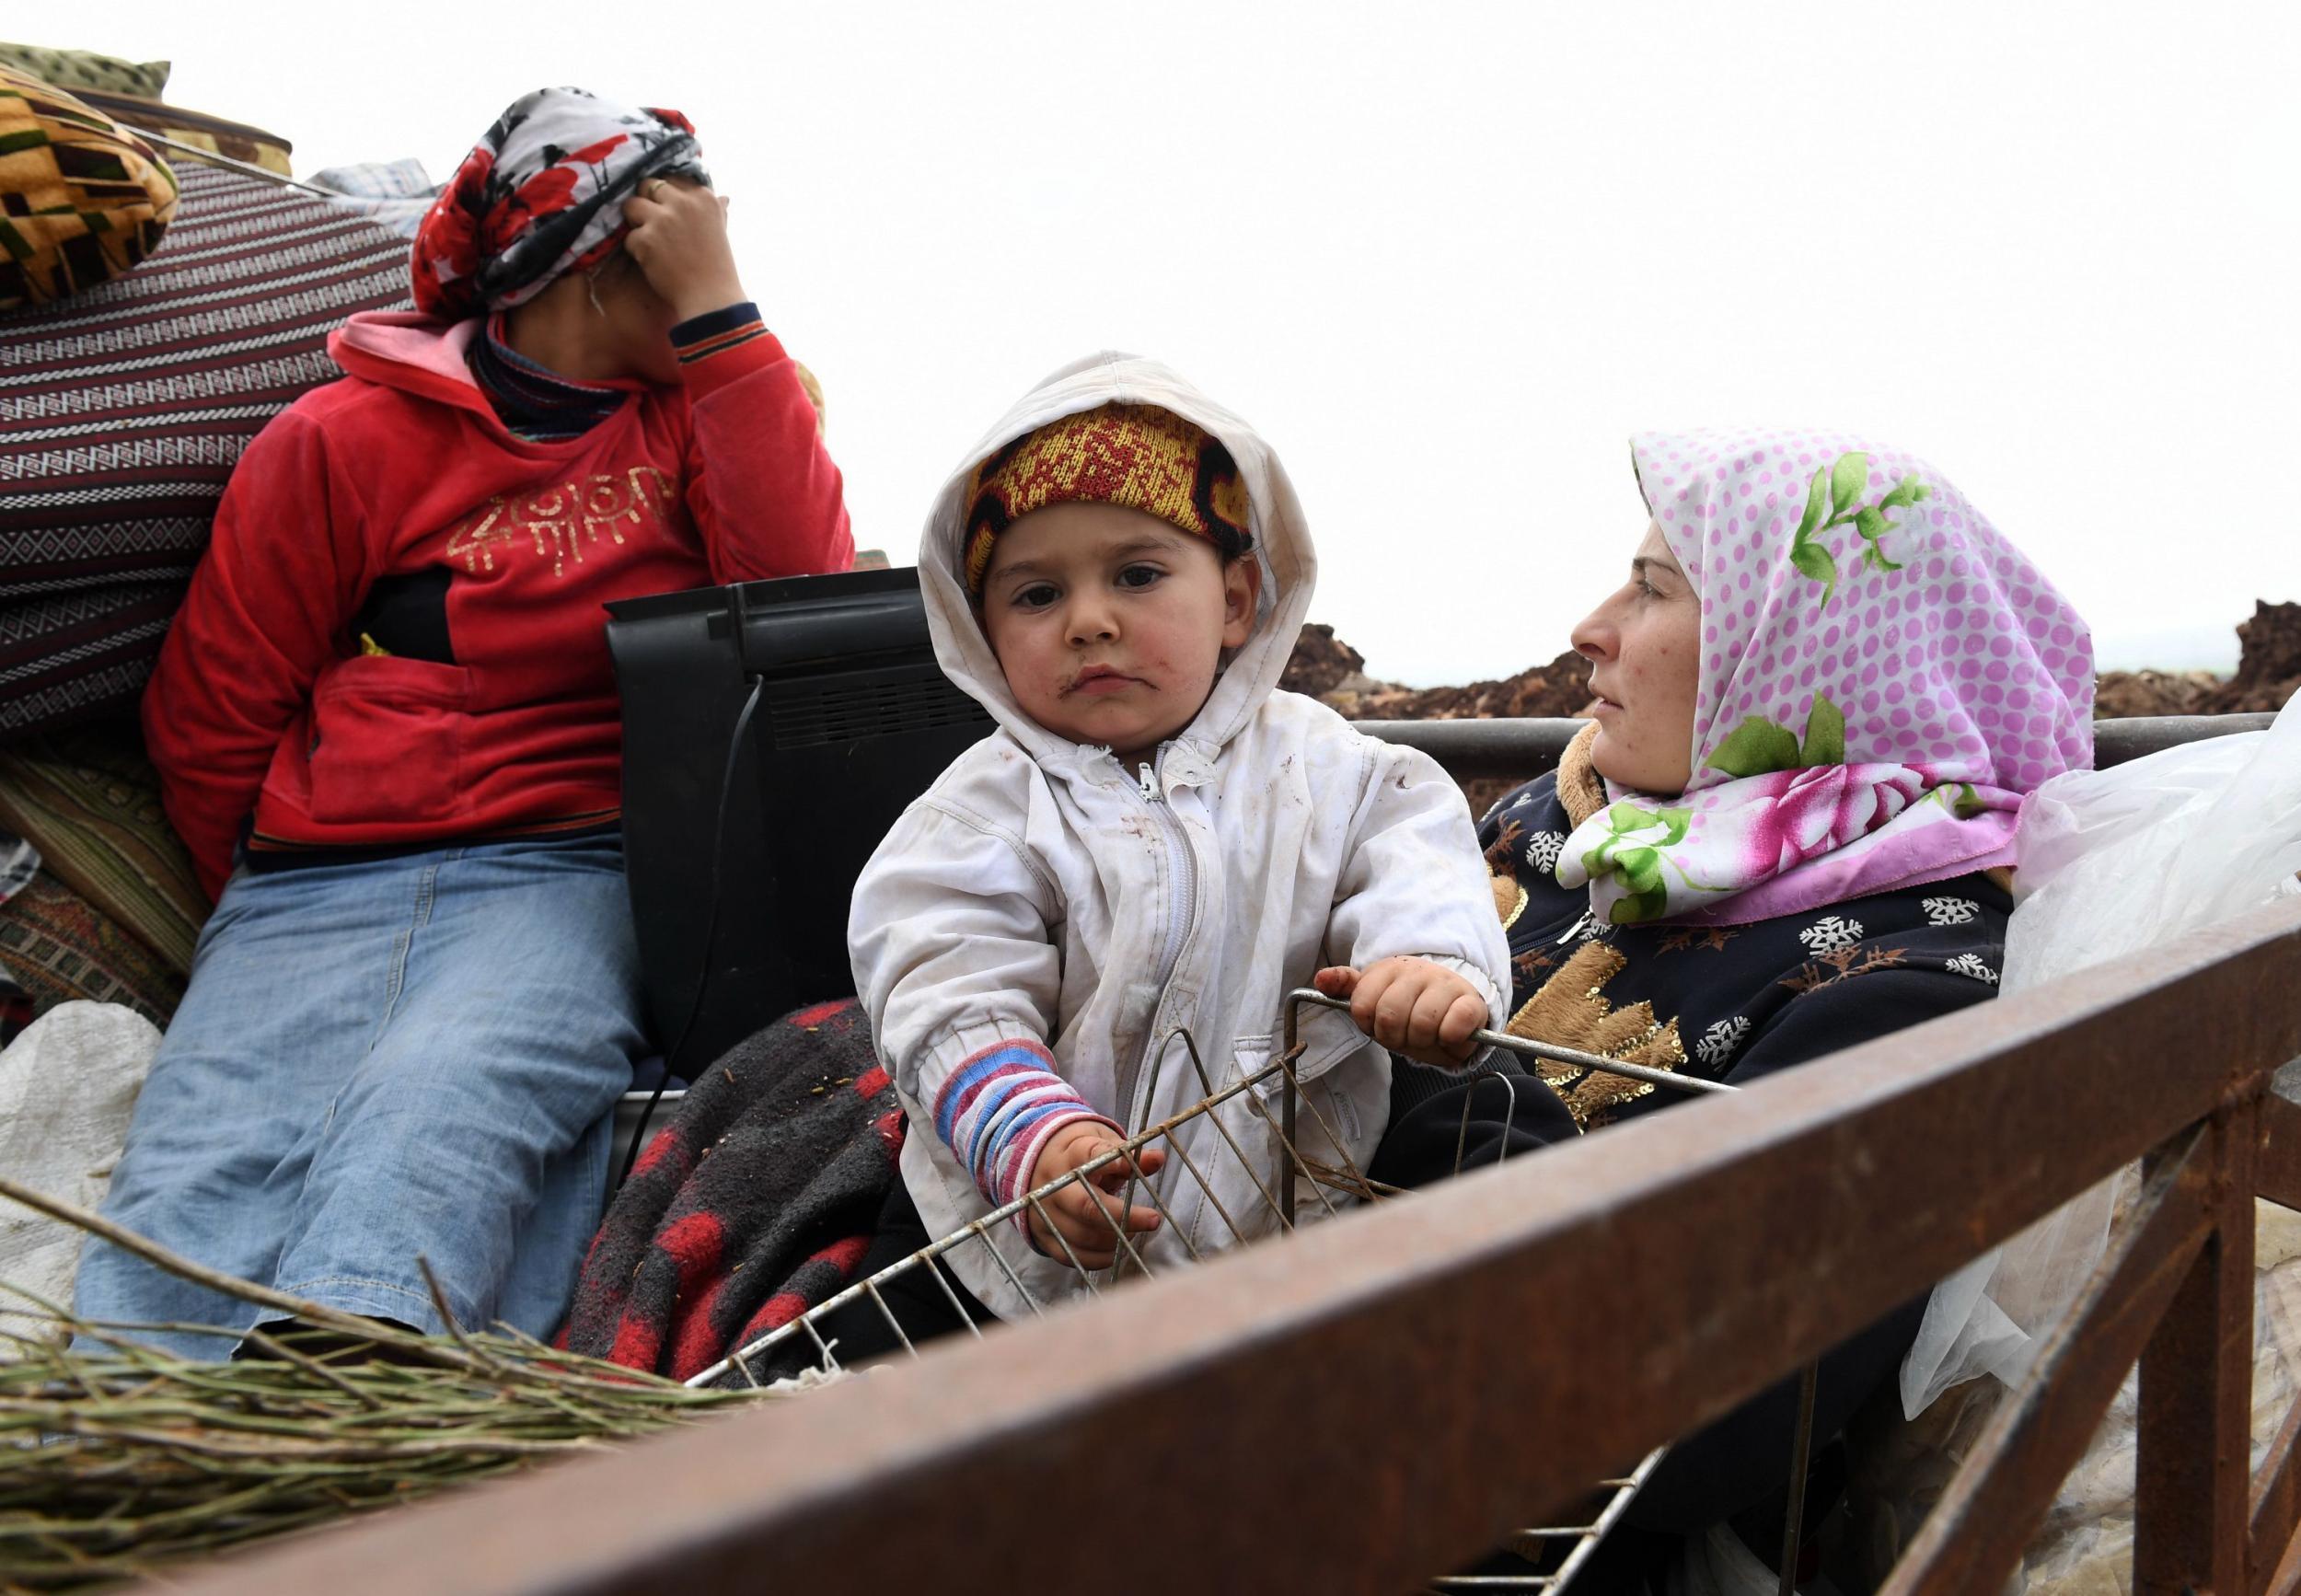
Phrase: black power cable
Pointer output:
(710, 924)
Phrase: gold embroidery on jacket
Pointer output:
(1713, 937)
(1509, 899)
(1571, 1011)
(561, 518)
(1503, 853)
(1843, 964)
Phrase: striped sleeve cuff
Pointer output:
(998, 1110)
(717, 348)
(701, 337)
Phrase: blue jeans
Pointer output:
(415, 1057)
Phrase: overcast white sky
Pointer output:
(1447, 258)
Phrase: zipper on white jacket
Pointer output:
(1183, 867)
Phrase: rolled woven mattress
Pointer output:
(123, 410)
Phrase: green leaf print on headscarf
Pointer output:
(1833, 499)
(1961, 800)
(1825, 734)
(1758, 745)
(1632, 853)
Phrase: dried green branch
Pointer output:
(118, 1460)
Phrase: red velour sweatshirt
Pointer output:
(264, 703)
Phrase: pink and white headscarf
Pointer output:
(1883, 679)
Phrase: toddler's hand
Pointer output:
(678, 238)
(1085, 1217)
(1410, 1006)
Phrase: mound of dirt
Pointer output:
(2269, 663)
(2119, 695)
(1333, 672)
(1320, 662)
(2269, 673)
(1559, 688)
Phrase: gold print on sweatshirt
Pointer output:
(1571, 1011)
(562, 519)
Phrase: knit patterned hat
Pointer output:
(1136, 455)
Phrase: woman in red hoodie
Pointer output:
(388, 729)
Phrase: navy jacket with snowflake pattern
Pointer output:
(1729, 1004)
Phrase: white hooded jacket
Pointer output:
(1041, 903)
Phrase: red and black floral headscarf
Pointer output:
(541, 194)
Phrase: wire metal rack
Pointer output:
(1553, 1554)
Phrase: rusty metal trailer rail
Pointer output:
(1360, 1407)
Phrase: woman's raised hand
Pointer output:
(679, 238)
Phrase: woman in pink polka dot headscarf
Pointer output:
(1824, 693)
(1877, 678)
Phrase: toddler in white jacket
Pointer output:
(1155, 839)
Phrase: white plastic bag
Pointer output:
(67, 1086)
(1717, 1563)
(2110, 863)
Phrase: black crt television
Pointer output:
(742, 923)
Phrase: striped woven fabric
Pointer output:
(123, 410)
(89, 800)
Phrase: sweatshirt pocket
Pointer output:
(1328, 1036)
(388, 737)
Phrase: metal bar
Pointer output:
(1005, 1268)
(1085, 1275)
(2191, 1483)
(1758, 1230)
(1624, 1492)
(951, 1296)
(1293, 1049)
(2276, 1506)
(1667, 1079)
(1523, 747)
(2286, 1578)
(2115, 742)
(1166, 1216)
(1290, 1143)
(887, 1313)
(1976, 1532)
(1800, 1462)
(1528, 1047)
(232, 164)
(1470, 1101)
(1175, 1145)
(1527, 747)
